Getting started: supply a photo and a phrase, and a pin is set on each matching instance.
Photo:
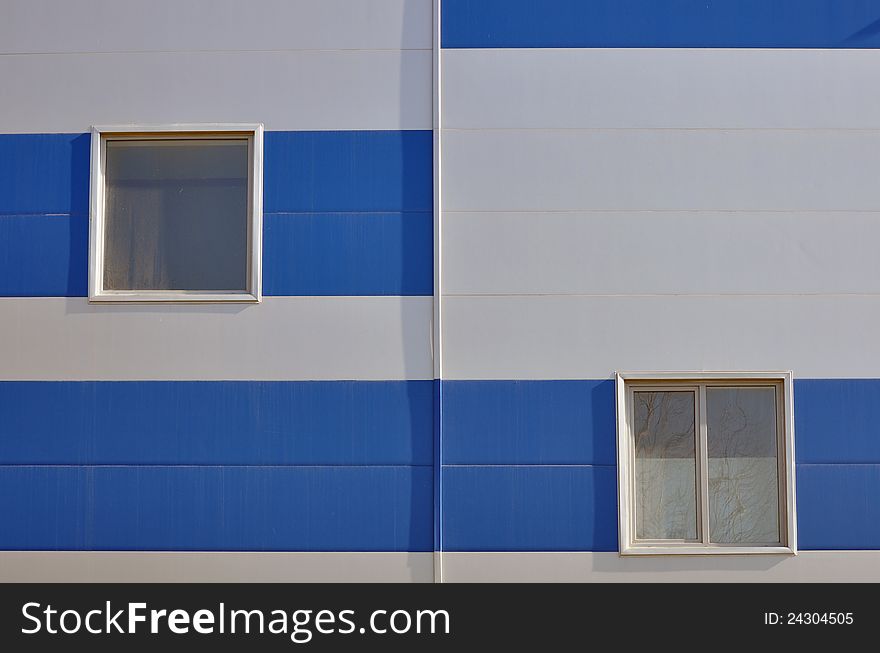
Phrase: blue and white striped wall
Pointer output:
(653, 185)
(617, 184)
(287, 440)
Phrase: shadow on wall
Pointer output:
(411, 260)
(78, 220)
(637, 566)
(602, 403)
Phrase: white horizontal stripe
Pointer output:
(590, 567)
(658, 252)
(213, 567)
(283, 90)
(127, 25)
(585, 566)
(661, 87)
(583, 337)
(546, 170)
(284, 338)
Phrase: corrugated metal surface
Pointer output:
(339, 459)
(626, 185)
(660, 23)
(217, 423)
(651, 186)
(221, 508)
(283, 339)
(345, 213)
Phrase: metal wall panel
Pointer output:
(285, 90)
(838, 507)
(574, 423)
(42, 26)
(284, 338)
(217, 422)
(216, 567)
(647, 88)
(633, 169)
(529, 423)
(348, 254)
(216, 508)
(530, 508)
(661, 252)
(589, 567)
(659, 23)
(836, 421)
(574, 508)
(582, 337)
(346, 213)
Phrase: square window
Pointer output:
(705, 463)
(176, 213)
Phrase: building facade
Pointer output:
(559, 290)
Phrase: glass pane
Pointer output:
(665, 465)
(743, 488)
(176, 215)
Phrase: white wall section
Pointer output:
(284, 338)
(660, 209)
(299, 90)
(589, 337)
(634, 169)
(213, 567)
(578, 567)
(674, 252)
(33, 26)
(660, 88)
(589, 567)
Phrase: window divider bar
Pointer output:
(782, 463)
(703, 463)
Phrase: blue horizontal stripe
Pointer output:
(529, 509)
(348, 254)
(348, 171)
(220, 422)
(838, 506)
(529, 422)
(351, 212)
(216, 508)
(836, 420)
(44, 174)
(574, 422)
(44, 255)
(660, 23)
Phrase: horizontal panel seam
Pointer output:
(661, 129)
(4, 465)
(647, 49)
(637, 210)
(506, 465)
(71, 214)
(103, 309)
(538, 210)
(369, 213)
(371, 130)
(838, 464)
(56, 53)
(669, 294)
(219, 380)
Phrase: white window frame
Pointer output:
(101, 134)
(627, 383)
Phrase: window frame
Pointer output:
(629, 382)
(101, 134)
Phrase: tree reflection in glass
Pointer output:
(743, 477)
(665, 465)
